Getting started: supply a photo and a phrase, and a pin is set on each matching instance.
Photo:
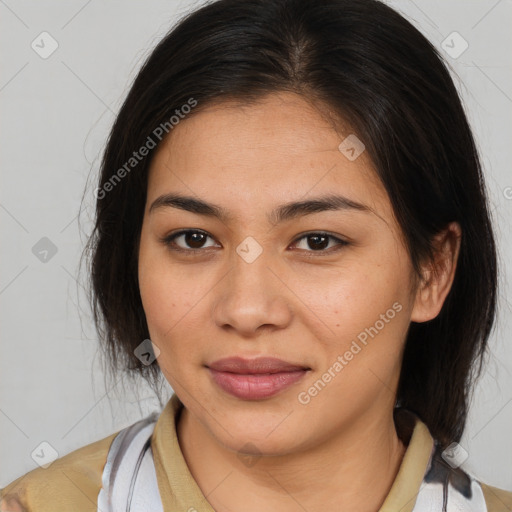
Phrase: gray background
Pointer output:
(56, 113)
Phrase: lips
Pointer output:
(254, 366)
(253, 379)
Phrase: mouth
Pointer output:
(255, 379)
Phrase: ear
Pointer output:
(438, 275)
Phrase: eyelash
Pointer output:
(169, 242)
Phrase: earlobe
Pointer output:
(438, 276)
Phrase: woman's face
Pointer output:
(254, 283)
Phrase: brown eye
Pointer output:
(190, 240)
(194, 240)
(318, 242)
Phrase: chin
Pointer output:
(258, 436)
(254, 445)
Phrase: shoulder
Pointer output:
(71, 482)
(458, 488)
(497, 500)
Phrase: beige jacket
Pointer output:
(72, 483)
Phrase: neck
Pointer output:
(353, 470)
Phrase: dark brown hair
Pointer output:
(376, 71)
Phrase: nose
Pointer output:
(253, 297)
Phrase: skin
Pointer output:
(11, 504)
(340, 451)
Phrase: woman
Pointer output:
(291, 227)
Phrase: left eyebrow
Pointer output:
(296, 209)
(282, 213)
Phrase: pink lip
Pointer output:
(256, 378)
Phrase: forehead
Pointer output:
(276, 150)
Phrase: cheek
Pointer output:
(161, 290)
(167, 303)
(157, 294)
(166, 317)
(365, 303)
(367, 314)
(349, 298)
(171, 297)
